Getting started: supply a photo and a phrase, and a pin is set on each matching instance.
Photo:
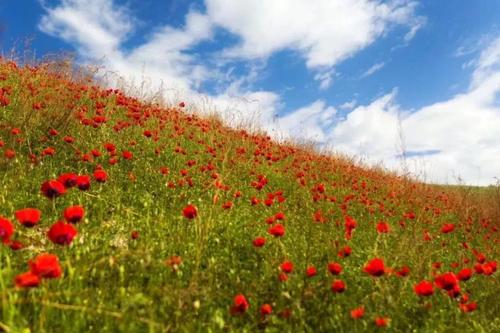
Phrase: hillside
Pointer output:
(122, 215)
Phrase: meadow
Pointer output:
(122, 215)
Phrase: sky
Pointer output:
(408, 84)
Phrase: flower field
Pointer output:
(122, 215)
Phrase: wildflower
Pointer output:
(375, 267)
(383, 228)
(27, 280)
(464, 274)
(424, 288)
(240, 304)
(338, 286)
(28, 216)
(447, 228)
(74, 214)
(311, 271)
(259, 242)
(358, 312)
(287, 267)
(6, 230)
(62, 233)
(46, 266)
(190, 212)
(53, 189)
(278, 230)
(334, 268)
(83, 182)
(381, 321)
(100, 175)
(266, 309)
(68, 179)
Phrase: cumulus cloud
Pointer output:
(324, 32)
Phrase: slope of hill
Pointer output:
(119, 215)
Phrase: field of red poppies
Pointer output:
(122, 215)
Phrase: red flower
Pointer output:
(134, 234)
(338, 286)
(127, 155)
(259, 242)
(448, 227)
(266, 309)
(464, 274)
(287, 267)
(62, 233)
(27, 280)
(83, 182)
(383, 228)
(52, 189)
(190, 212)
(375, 267)
(311, 271)
(278, 230)
(468, 307)
(345, 252)
(381, 321)
(334, 268)
(68, 179)
(358, 312)
(6, 229)
(240, 304)
(424, 288)
(28, 216)
(46, 266)
(446, 281)
(74, 214)
(404, 271)
(279, 216)
(100, 175)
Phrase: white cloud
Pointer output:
(325, 79)
(375, 68)
(324, 31)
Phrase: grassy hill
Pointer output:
(121, 215)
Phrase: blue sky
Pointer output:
(348, 75)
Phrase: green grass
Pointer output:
(112, 282)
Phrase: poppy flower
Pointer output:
(381, 321)
(259, 242)
(358, 312)
(190, 212)
(240, 304)
(266, 309)
(74, 214)
(127, 155)
(6, 229)
(46, 266)
(68, 179)
(16, 245)
(134, 234)
(447, 228)
(338, 286)
(464, 274)
(424, 288)
(345, 252)
(278, 230)
(287, 267)
(334, 268)
(53, 189)
(446, 281)
(83, 182)
(383, 228)
(100, 175)
(27, 280)
(62, 233)
(468, 307)
(375, 267)
(28, 216)
(311, 271)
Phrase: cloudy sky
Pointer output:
(380, 80)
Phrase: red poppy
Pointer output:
(464, 274)
(447, 228)
(358, 312)
(375, 267)
(74, 214)
(6, 229)
(381, 321)
(28, 216)
(424, 288)
(190, 212)
(27, 280)
(68, 179)
(334, 268)
(279, 216)
(100, 175)
(287, 267)
(53, 189)
(338, 286)
(468, 307)
(383, 228)
(240, 304)
(127, 155)
(134, 234)
(266, 309)
(259, 242)
(446, 281)
(62, 233)
(345, 252)
(311, 271)
(83, 182)
(278, 230)
(403, 271)
(46, 266)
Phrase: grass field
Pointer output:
(151, 219)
